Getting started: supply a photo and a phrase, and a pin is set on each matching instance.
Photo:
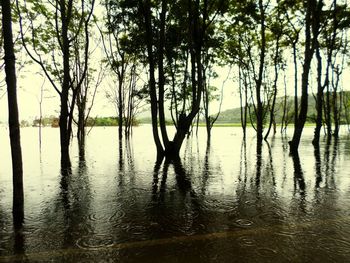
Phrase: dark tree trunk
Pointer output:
(120, 110)
(260, 110)
(242, 109)
(311, 26)
(64, 112)
(146, 8)
(272, 110)
(161, 77)
(284, 121)
(319, 100)
(16, 153)
(81, 133)
(296, 103)
(336, 113)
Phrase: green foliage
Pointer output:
(106, 121)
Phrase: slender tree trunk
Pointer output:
(336, 111)
(161, 77)
(260, 110)
(272, 111)
(328, 113)
(284, 116)
(319, 100)
(41, 113)
(243, 110)
(310, 42)
(296, 103)
(81, 133)
(15, 141)
(64, 112)
(152, 82)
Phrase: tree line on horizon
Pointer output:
(179, 44)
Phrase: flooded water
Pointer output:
(229, 201)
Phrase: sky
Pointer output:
(29, 84)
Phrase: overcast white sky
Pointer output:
(29, 85)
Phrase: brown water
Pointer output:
(227, 202)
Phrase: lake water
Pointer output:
(223, 203)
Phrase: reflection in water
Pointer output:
(271, 167)
(227, 201)
(299, 182)
(258, 164)
(318, 166)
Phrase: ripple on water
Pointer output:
(4, 241)
(271, 217)
(334, 245)
(98, 217)
(137, 230)
(95, 242)
(266, 252)
(117, 215)
(246, 241)
(243, 222)
(288, 233)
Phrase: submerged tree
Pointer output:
(120, 54)
(312, 24)
(334, 22)
(48, 29)
(189, 20)
(16, 152)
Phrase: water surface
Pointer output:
(229, 201)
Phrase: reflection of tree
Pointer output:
(329, 160)
(258, 163)
(270, 169)
(76, 200)
(299, 182)
(206, 169)
(126, 164)
(317, 166)
(184, 187)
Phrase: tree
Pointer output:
(333, 42)
(52, 27)
(122, 47)
(159, 20)
(117, 49)
(16, 152)
(312, 23)
(84, 68)
(250, 34)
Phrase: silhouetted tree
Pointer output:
(312, 23)
(53, 27)
(16, 152)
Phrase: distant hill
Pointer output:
(234, 115)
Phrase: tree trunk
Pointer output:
(335, 112)
(243, 110)
(64, 112)
(16, 153)
(310, 42)
(296, 103)
(319, 100)
(81, 133)
(161, 77)
(260, 110)
(272, 111)
(152, 82)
